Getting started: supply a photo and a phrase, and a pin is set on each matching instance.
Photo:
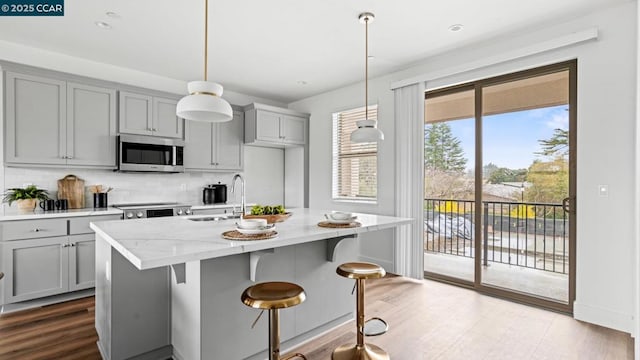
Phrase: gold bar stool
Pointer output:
(274, 296)
(360, 271)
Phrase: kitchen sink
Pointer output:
(213, 217)
(208, 218)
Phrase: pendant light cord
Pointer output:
(206, 36)
(366, 68)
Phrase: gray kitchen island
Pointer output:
(171, 286)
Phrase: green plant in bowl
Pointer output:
(26, 198)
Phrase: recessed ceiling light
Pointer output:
(112, 15)
(456, 27)
(102, 25)
(302, 82)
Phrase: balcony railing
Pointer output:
(532, 235)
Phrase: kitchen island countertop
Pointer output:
(153, 243)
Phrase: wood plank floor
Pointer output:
(431, 320)
(61, 331)
(428, 320)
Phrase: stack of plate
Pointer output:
(340, 217)
(254, 227)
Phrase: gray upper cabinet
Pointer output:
(165, 122)
(147, 115)
(91, 125)
(293, 129)
(136, 113)
(272, 126)
(268, 127)
(214, 146)
(52, 122)
(36, 120)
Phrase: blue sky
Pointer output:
(511, 139)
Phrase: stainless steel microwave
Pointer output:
(150, 154)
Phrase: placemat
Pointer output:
(236, 235)
(327, 224)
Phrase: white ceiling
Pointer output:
(266, 47)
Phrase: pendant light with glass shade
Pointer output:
(204, 102)
(367, 130)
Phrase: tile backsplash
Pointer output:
(127, 187)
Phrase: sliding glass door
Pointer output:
(500, 185)
(449, 192)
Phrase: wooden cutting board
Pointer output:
(71, 188)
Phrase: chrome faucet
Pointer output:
(242, 198)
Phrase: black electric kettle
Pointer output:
(214, 194)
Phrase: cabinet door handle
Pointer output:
(65, 245)
(36, 230)
(72, 244)
(69, 157)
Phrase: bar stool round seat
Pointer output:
(360, 271)
(274, 296)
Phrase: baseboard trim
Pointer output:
(49, 300)
(603, 317)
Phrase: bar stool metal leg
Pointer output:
(274, 334)
(360, 312)
(360, 351)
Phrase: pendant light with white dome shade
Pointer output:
(367, 130)
(204, 102)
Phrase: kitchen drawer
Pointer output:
(30, 229)
(80, 225)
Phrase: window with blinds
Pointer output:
(355, 165)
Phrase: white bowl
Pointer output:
(340, 215)
(262, 230)
(252, 223)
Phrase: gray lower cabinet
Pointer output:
(35, 268)
(271, 126)
(82, 262)
(147, 115)
(53, 122)
(215, 146)
(45, 257)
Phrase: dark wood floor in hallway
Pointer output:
(428, 320)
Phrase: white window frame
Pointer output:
(335, 186)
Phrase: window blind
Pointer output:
(355, 170)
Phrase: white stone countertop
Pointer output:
(157, 242)
(12, 213)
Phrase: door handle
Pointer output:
(565, 205)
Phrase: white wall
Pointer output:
(606, 234)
